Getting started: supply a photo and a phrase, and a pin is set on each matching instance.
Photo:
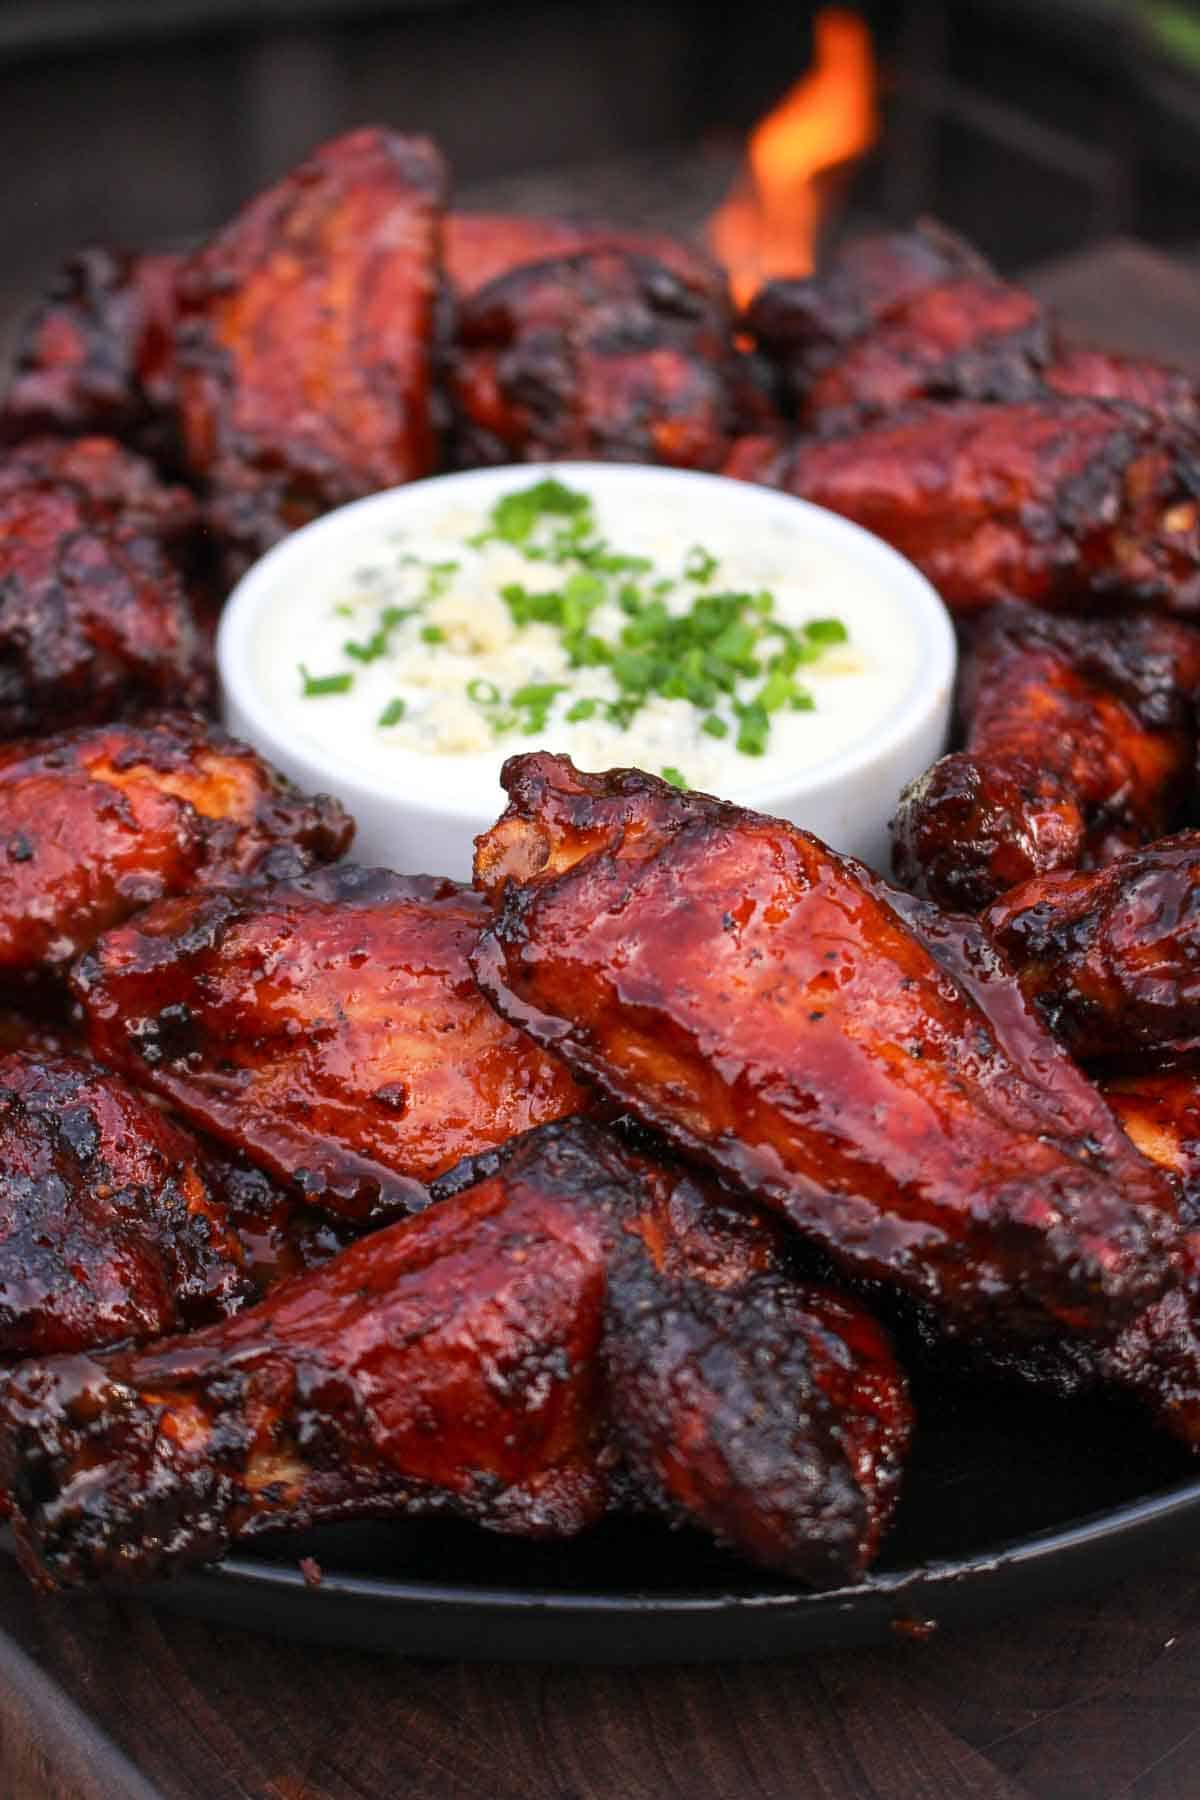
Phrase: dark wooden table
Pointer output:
(1088, 1699)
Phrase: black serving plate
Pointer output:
(1009, 1500)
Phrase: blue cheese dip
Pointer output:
(647, 633)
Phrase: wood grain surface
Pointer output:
(1093, 1698)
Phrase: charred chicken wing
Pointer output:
(606, 354)
(99, 822)
(1166, 393)
(1063, 503)
(1111, 959)
(1080, 743)
(97, 354)
(973, 338)
(479, 247)
(305, 339)
(805, 326)
(110, 1227)
(480, 1358)
(758, 999)
(330, 1027)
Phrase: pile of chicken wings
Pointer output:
(625, 1180)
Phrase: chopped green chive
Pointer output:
(324, 684)
(826, 631)
(432, 634)
(483, 693)
(671, 773)
(582, 709)
(716, 727)
(392, 713)
(699, 564)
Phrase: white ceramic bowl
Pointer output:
(408, 822)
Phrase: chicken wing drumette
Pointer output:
(330, 1027)
(1080, 742)
(97, 353)
(111, 1226)
(606, 353)
(97, 823)
(1060, 502)
(476, 1359)
(305, 340)
(760, 1000)
(1111, 959)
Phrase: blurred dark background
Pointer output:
(1036, 128)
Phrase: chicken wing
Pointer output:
(110, 1227)
(477, 1358)
(973, 338)
(1111, 959)
(97, 353)
(805, 326)
(760, 1000)
(1080, 743)
(330, 1027)
(1161, 1113)
(606, 354)
(97, 823)
(1064, 503)
(305, 340)
(95, 621)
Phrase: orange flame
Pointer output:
(769, 224)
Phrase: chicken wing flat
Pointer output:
(1064, 503)
(973, 338)
(329, 1027)
(305, 339)
(97, 353)
(760, 1001)
(474, 1359)
(1166, 393)
(98, 822)
(1111, 959)
(804, 326)
(606, 354)
(1080, 743)
(110, 1227)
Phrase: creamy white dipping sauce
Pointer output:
(428, 641)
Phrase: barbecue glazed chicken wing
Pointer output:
(305, 340)
(476, 1358)
(1165, 393)
(110, 1225)
(804, 327)
(97, 353)
(973, 338)
(95, 615)
(1111, 959)
(1062, 503)
(605, 354)
(330, 1027)
(97, 823)
(758, 999)
(1080, 743)
(477, 248)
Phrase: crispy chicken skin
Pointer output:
(121, 487)
(805, 326)
(606, 353)
(973, 338)
(1111, 959)
(476, 1359)
(97, 823)
(1080, 743)
(110, 1227)
(760, 1000)
(97, 352)
(304, 345)
(1063, 503)
(330, 1027)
